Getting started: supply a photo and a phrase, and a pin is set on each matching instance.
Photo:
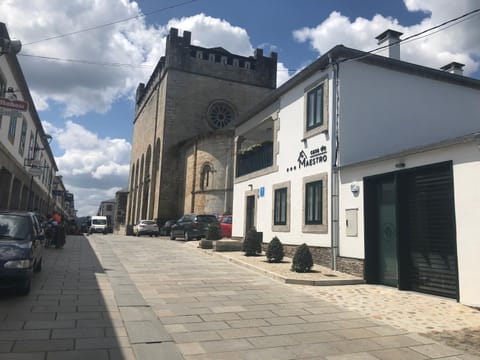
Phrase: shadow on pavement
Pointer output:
(70, 312)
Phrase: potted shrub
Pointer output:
(252, 244)
(213, 233)
(275, 251)
(302, 260)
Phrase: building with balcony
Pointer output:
(374, 163)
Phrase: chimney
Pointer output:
(392, 38)
(454, 68)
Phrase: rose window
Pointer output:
(220, 115)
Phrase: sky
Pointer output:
(83, 60)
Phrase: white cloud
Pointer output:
(457, 43)
(93, 168)
(282, 74)
(212, 32)
(82, 88)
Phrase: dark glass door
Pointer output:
(387, 232)
(250, 215)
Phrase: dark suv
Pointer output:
(191, 226)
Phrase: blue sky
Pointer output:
(88, 108)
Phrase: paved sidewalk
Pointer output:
(439, 318)
(117, 297)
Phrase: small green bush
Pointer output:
(251, 243)
(302, 260)
(275, 251)
(214, 232)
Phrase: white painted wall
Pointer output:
(291, 122)
(384, 111)
(466, 174)
(13, 148)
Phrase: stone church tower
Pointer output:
(182, 148)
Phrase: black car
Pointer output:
(191, 226)
(21, 248)
(167, 227)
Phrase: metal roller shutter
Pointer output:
(431, 231)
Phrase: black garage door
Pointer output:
(420, 241)
(431, 231)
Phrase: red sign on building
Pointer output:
(13, 104)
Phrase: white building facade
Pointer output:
(374, 163)
(27, 165)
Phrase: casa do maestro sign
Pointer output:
(310, 158)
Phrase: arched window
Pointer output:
(206, 177)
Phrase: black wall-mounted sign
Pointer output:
(315, 157)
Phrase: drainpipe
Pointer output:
(334, 171)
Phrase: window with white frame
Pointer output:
(12, 128)
(315, 203)
(3, 86)
(281, 207)
(23, 137)
(316, 108)
(31, 146)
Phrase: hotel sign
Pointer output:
(310, 158)
(13, 104)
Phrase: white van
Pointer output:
(98, 224)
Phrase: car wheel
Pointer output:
(172, 237)
(25, 288)
(38, 266)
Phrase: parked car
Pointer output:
(167, 227)
(146, 227)
(226, 226)
(21, 249)
(191, 226)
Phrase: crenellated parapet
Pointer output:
(180, 54)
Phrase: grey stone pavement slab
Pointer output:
(117, 297)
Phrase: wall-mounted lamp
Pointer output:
(250, 187)
(48, 138)
(355, 189)
(10, 94)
